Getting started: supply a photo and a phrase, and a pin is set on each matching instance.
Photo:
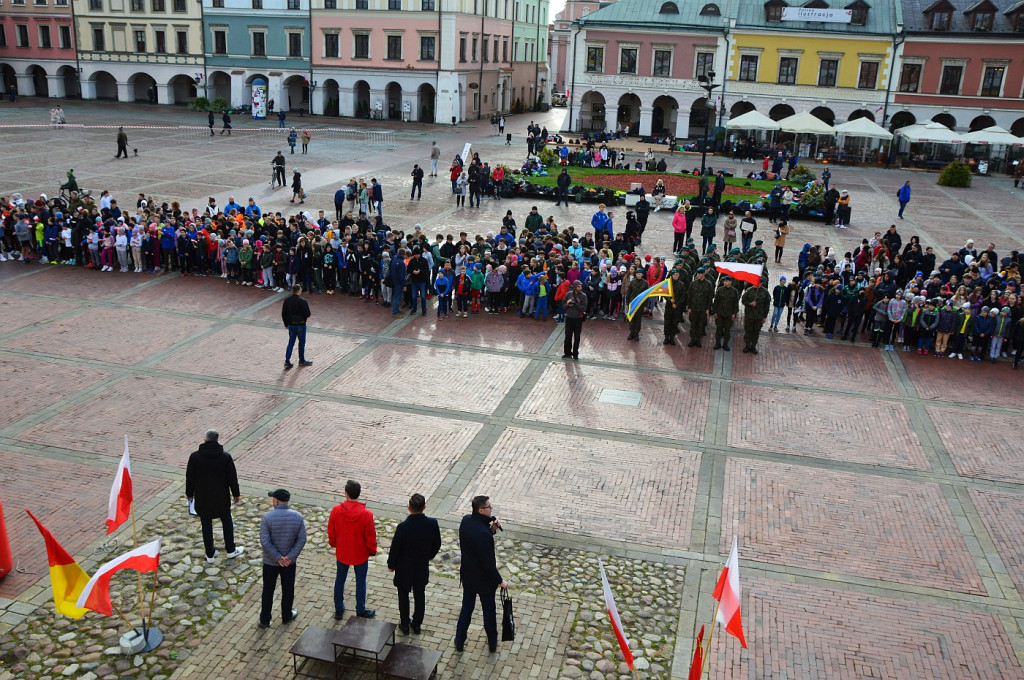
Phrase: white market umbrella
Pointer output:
(863, 127)
(930, 131)
(805, 123)
(752, 120)
(994, 136)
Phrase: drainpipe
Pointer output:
(480, 79)
(897, 40)
(572, 87)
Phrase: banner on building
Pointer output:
(259, 99)
(830, 16)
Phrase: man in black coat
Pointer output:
(210, 483)
(417, 541)
(294, 313)
(478, 571)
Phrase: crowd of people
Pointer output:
(896, 293)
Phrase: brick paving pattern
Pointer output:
(988, 385)
(982, 445)
(603, 340)
(69, 282)
(18, 313)
(164, 419)
(606, 481)
(569, 393)
(1002, 514)
(438, 378)
(323, 444)
(196, 295)
(505, 331)
(39, 385)
(338, 313)
(830, 426)
(843, 523)
(800, 362)
(800, 631)
(68, 508)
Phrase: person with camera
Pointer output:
(479, 571)
(278, 163)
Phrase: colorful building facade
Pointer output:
(37, 48)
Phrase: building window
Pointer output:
(495, 50)
(96, 5)
(259, 44)
(64, 35)
(257, 4)
(361, 46)
(705, 63)
(60, 3)
(138, 5)
(595, 59)
(773, 11)
(951, 75)
(993, 82)
(218, 4)
(627, 60)
(710, 10)
(158, 6)
(427, 5)
(220, 42)
(159, 44)
(504, 49)
(982, 21)
(394, 4)
(294, 4)
(395, 47)
(181, 37)
(99, 42)
(40, 3)
(910, 76)
(3, 36)
(483, 49)
(669, 8)
(427, 43)
(940, 21)
(332, 45)
(473, 52)
(44, 37)
(662, 63)
(462, 49)
(179, 6)
(362, 4)
(22, 35)
(330, 4)
(787, 70)
(294, 44)
(140, 41)
(828, 72)
(868, 78)
(858, 13)
(748, 68)
(1018, 21)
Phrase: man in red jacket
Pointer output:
(351, 532)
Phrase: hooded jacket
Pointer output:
(351, 532)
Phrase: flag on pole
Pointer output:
(662, 288)
(120, 504)
(880, 107)
(67, 578)
(96, 594)
(613, 616)
(727, 592)
(751, 273)
(697, 667)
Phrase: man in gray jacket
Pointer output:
(282, 535)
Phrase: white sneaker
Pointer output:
(3, 258)
(960, 356)
(212, 559)
(238, 551)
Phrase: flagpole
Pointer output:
(710, 635)
(135, 537)
(152, 597)
(122, 615)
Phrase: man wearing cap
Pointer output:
(698, 302)
(282, 535)
(757, 302)
(353, 535)
(727, 304)
(209, 479)
(674, 307)
(417, 541)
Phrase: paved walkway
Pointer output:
(877, 496)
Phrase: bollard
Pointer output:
(6, 561)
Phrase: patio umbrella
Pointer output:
(752, 120)
(930, 132)
(863, 127)
(994, 136)
(805, 123)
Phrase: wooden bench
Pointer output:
(406, 662)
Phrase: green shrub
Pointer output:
(220, 104)
(548, 157)
(813, 198)
(956, 174)
(200, 104)
(801, 174)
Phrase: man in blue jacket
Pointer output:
(398, 281)
(167, 244)
(903, 196)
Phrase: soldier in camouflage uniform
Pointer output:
(756, 253)
(698, 302)
(727, 304)
(636, 286)
(674, 307)
(757, 302)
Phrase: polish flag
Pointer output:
(96, 594)
(120, 504)
(613, 616)
(751, 273)
(727, 592)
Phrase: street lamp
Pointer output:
(708, 86)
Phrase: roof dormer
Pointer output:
(859, 12)
(713, 10)
(1016, 15)
(669, 8)
(773, 10)
(981, 15)
(940, 15)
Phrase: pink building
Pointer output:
(415, 62)
(560, 37)
(37, 48)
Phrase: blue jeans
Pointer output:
(339, 587)
(396, 299)
(903, 206)
(776, 316)
(419, 290)
(296, 332)
(746, 241)
(466, 616)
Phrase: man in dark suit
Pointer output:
(210, 483)
(417, 541)
(478, 571)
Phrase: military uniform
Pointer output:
(635, 288)
(698, 301)
(757, 302)
(727, 303)
(674, 310)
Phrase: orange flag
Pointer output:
(66, 576)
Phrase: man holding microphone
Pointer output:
(479, 571)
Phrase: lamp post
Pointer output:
(706, 84)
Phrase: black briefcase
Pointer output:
(508, 621)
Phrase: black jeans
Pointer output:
(419, 596)
(466, 616)
(573, 329)
(270, 574)
(229, 532)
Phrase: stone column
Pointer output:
(88, 87)
(316, 101)
(125, 92)
(26, 85)
(646, 116)
(164, 93)
(57, 89)
(682, 123)
(238, 96)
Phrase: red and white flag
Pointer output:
(119, 506)
(751, 273)
(727, 592)
(96, 594)
(613, 615)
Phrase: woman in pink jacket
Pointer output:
(679, 227)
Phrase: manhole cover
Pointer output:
(620, 397)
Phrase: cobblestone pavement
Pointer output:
(877, 496)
